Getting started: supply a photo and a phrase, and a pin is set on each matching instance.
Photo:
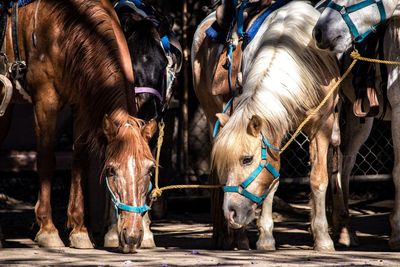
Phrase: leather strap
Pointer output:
(15, 30)
(8, 90)
(3, 14)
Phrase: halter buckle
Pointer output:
(17, 70)
(343, 10)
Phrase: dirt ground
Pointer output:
(184, 239)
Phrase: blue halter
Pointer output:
(242, 188)
(346, 11)
(125, 207)
(139, 7)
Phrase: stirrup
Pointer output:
(373, 104)
(8, 90)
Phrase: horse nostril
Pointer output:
(232, 214)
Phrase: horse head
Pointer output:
(127, 170)
(246, 163)
(156, 57)
(343, 22)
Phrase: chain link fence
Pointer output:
(374, 160)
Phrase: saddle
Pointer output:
(6, 87)
(218, 32)
(367, 103)
(12, 74)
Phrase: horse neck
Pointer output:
(94, 71)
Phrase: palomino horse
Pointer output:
(335, 33)
(284, 77)
(76, 55)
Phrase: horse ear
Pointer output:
(254, 126)
(223, 118)
(109, 128)
(149, 129)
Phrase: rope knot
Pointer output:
(156, 193)
(355, 55)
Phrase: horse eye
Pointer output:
(110, 172)
(246, 160)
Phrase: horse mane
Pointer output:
(282, 77)
(92, 64)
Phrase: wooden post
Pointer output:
(185, 95)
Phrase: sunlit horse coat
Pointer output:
(284, 77)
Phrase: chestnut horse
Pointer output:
(284, 77)
(79, 57)
(156, 57)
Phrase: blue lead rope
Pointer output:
(217, 123)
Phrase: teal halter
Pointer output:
(241, 189)
(346, 11)
(125, 207)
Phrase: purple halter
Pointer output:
(149, 90)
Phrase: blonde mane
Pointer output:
(283, 74)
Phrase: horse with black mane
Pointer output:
(155, 53)
(76, 54)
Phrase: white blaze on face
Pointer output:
(131, 169)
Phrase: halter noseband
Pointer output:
(125, 207)
(242, 188)
(346, 11)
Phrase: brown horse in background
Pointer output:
(80, 58)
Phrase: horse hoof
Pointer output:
(80, 240)
(348, 238)
(148, 243)
(266, 245)
(49, 239)
(325, 247)
(111, 240)
(394, 244)
(243, 244)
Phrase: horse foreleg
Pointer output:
(45, 114)
(319, 145)
(265, 223)
(394, 241)
(111, 239)
(355, 134)
(78, 237)
(148, 238)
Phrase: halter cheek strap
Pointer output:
(242, 188)
(125, 207)
(346, 11)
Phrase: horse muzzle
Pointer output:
(130, 233)
(238, 211)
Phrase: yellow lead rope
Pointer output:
(156, 192)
